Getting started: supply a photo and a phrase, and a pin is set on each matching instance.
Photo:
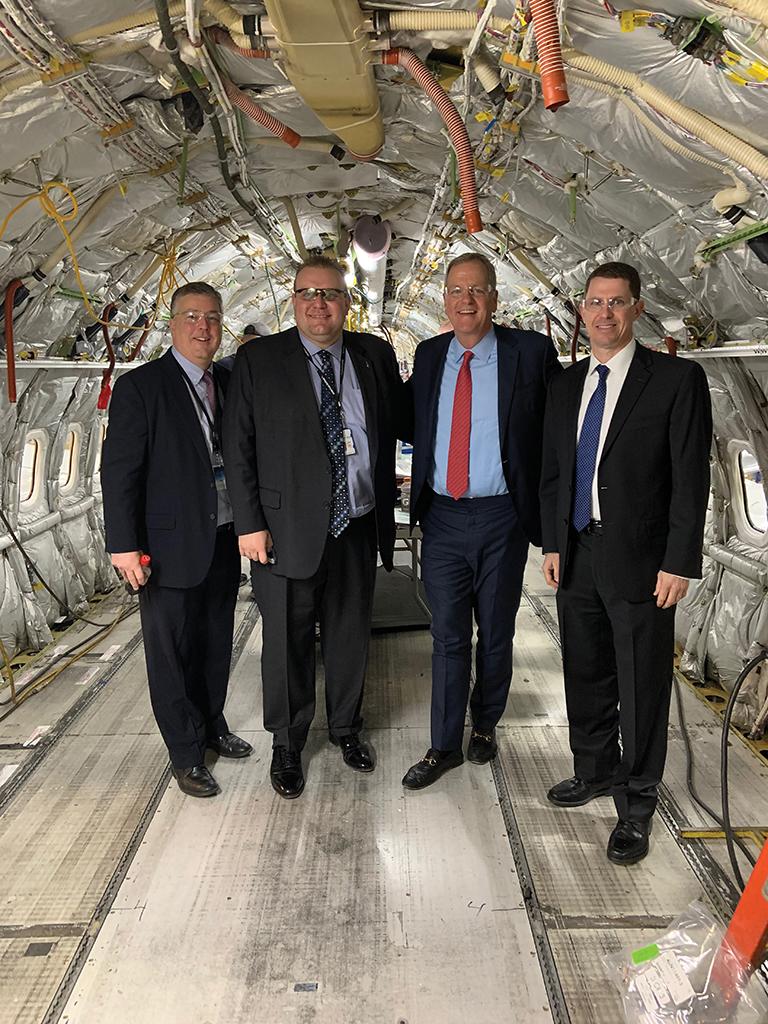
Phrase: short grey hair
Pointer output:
(195, 288)
(474, 257)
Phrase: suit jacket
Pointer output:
(526, 362)
(653, 475)
(157, 483)
(276, 462)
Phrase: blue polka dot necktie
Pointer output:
(333, 432)
(586, 453)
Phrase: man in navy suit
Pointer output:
(165, 495)
(479, 395)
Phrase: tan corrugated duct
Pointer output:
(324, 51)
(691, 120)
(434, 21)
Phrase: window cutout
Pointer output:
(752, 491)
(29, 469)
(68, 471)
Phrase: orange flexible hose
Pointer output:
(10, 352)
(244, 102)
(547, 33)
(456, 129)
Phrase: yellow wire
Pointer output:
(9, 667)
(49, 207)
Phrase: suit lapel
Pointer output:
(297, 371)
(638, 375)
(367, 381)
(508, 357)
(185, 403)
(442, 341)
(578, 376)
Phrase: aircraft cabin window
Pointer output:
(752, 491)
(31, 470)
(70, 461)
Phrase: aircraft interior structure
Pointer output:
(144, 147)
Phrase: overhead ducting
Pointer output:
(324, 53)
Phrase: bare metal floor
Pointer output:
(360, 903)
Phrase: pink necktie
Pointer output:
(457, 477)
(210, 391)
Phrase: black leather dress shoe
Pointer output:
(196, 781)
(482, 747)
(230, 745)
(286, 774)
(431, 767)
(576, 792)
(629, 841)
(355, 754)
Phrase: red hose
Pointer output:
(575, 336)
(10, 352)
(456, 129)
(258, 114)
(223, 38)
(547, 33)
(140, 343)
(548, 324)
(671, 345)
(106, 378)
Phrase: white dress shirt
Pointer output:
(618, 366)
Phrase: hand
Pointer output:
(256, 545)
(669, 589)
(551, 569)
(128, 564)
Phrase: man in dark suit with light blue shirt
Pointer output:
(479, 396)
(309, 447)
(165, 495)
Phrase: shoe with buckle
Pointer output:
(431, 767)
(229, 745)
(482, 747)
(576, 792)
(286, 774)
(629, 841)
(356, 754)
(196, 781)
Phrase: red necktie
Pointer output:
(457, 478)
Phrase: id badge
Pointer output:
(349, 444)
(219, 478)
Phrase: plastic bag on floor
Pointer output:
(680, 978)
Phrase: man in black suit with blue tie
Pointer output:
(479, 394)
(624, 493)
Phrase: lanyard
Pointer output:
(204, 408)
(331, 384)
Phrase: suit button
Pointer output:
(212, 515)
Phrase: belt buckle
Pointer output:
(595, 527)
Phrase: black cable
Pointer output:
(740, 680)
(690, 767)
(33, 567)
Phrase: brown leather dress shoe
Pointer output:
(196, 781)
(229, 745)
(356, 754)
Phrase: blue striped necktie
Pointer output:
(586, 453)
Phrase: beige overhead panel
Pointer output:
(324, 53)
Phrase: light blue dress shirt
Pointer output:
(195, 375)
(486, 476)
(359, 477)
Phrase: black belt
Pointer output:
(594, 527)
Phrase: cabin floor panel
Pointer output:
(395, 905)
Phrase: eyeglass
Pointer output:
(326, 294)
(473, 289)
(615, 303)
(192, 317)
